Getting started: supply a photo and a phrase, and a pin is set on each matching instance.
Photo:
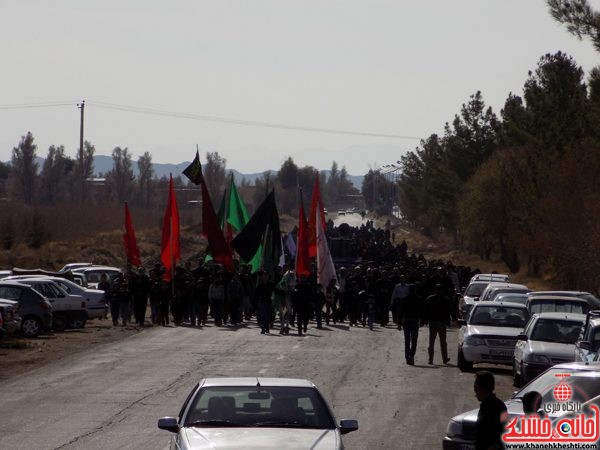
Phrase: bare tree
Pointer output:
(146, 173)
(214, 174)
(120, 178)
(23, 176)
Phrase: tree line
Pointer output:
(523, 185)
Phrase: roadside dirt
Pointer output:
(19, 355)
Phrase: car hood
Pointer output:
(261, 438)
(553, 349)
(487, 330)
(513, 407)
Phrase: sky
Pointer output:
(384, 73)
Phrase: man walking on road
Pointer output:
(409, 316)
(438, 312)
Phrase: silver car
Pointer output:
(548, 339)
(256, 413)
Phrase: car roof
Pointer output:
(14, 283)
(496, 304)
(561, 316)
(559, 293)
(490, 276)
(562, 298)
(92, 268)
(504, 284)
(579, 366)
(253, 381)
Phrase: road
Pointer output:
(111, 397)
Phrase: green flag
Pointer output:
(237, 217)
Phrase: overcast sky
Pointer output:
(398, 67)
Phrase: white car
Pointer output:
(587, 347)
(470, 296)
(95, 299)
(67, 310)
(548, 339)
(495, 288)
(256, 413)
(490, 333)
(93, 274)
(489, 277)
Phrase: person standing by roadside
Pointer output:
(120, 299)
(492, 414)
(409, 316)
(438, 312)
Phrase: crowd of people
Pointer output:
(380, 280)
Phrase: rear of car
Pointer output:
(587, 347)
(554, 303)
(35, 310)
(496, 288)
(10, 319)
(93, 274)
(96, 303)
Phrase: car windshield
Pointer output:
(549, 305)
(556, 330)
(251, 406)
(499, 316)
(585, 384)
(475, 289)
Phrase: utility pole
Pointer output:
(81, 106)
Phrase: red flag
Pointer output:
(217, 246)
(171, 252)
(302, 258)
(131, 248)
(316, 204)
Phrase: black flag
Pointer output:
(194, 170)
(246, 243)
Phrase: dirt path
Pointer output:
(19, 355)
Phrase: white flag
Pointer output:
(325, 267)
(290, 244)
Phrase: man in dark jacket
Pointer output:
(492, 413)
(409, 315)
(438, 311)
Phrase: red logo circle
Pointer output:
(562, 392)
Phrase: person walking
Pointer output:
(400, 291)
(262, 298)
(438, 312)
(409, 316)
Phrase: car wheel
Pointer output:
(31, 326)
(463, 364)
(77, 323)
(59, 321)
(516, 377)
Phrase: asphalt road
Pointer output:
(111, 397)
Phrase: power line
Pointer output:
(250, 123)
(38, 105)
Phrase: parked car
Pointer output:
(555, 303)
(341, 212)
(68, 311)
(95, 299)
(73, 266)
(35, 310)
(490, 277)
(583, 381)
(470, 296)
(592, 300)
(587, 346)
(10, 321)
(511, 297)
(265, 413)
(548, 339)
(92, 274)
(490, 333)
(495, 288)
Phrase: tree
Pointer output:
(86, 172)
(146, 173)
(23, 175)
(288, 175)
(214, 174)
(55, 175)
(120, 178)
(579, 17)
